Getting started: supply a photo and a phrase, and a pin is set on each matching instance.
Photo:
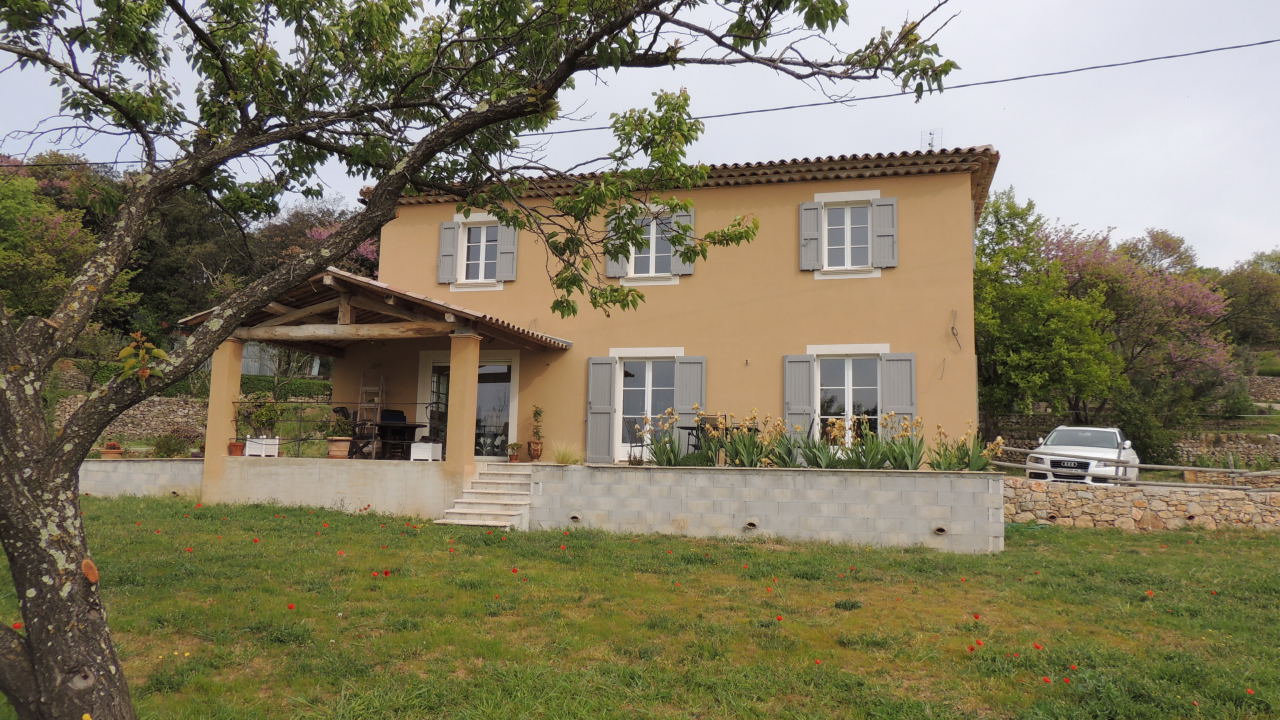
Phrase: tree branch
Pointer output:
(205, 39)
(17, 676)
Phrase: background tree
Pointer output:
(1252, 289)
(410, 96)
(1035, 341)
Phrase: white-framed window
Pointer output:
(654, 259)
(846, 236)
(478, 253)
(646, 389)
(848, 388)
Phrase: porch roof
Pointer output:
(335, 308)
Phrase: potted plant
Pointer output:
(235, 447)
(111, 450)
(339, 438)
(513, 451)
(535, 445)
(260, 413)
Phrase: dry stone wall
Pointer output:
(150, 418)
(1141, 506)
(1264, 389)
(1221, 448)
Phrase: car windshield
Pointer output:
(1084, 437)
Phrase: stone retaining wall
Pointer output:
(1244, 449)
(953, 511)
(1264, 389)
(1142, 506)
(150, 418)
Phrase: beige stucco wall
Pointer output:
(408, 488)
(743, 309)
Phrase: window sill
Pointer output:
(475, 285)
(641, 280)
(847, 273)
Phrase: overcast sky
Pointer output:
(1189, 145)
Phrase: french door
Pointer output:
(648, 388)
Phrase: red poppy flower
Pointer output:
(677, 584)
(976, 616)
(779, 618)
(1037, 646)
(384, 547)
(139, 523)
(840, 574)
(326, 525)
(1066, 680)
(768, 589)
(979, 643)
(190, 550)
(504, 537)
(1151, 593)
(817, 662)
(17, 626)
(490, 532)
(744, 566)
(375, 573)
(157, 532)
(386, 573)
(292, 606)
(495, 597)
(1213, 592)
(668, 552)
(340, 553)
(317, 533)
(1037, 572)
(524, 579)
(451, 549)
(1073, 667)
(1193, 702)
(1017, 654)
(515, 570)
(199, 505)
(566, 532)
(1249, 690)
(972, 648)
(562, 547)
(186, 515)
(963, 579)
(853, 567)
(1046, 679)
(255, 539)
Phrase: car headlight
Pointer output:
(1035, 459)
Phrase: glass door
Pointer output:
(648, 390)
(493, 410)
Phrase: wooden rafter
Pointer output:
(300, 314)
(331, 333)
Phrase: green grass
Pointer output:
(617, 626)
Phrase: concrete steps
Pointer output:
(498, 498)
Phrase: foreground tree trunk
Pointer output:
(75, 672)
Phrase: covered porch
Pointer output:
(413, 378)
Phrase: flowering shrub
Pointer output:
(966, 452)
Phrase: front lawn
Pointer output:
(365, 616)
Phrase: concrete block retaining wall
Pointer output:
(957, 512)
(109, 478)
(409, 488)
(1145, 506)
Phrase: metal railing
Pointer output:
(1113, 472)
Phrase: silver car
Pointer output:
(1092, 455)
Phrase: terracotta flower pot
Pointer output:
(235, 448)
(535, 450)
(338, 447)
(110, 454)
(513, 458)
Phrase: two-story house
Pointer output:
(855, 298)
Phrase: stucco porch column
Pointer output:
(220, 428)
(464, 376)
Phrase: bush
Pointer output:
(171, 446)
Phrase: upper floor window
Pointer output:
(851, 234)
(476, 253)
(848, 236)
(480, 253)
(656, 262)
(655, 257)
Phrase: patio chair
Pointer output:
(363, 436)
(395, 441)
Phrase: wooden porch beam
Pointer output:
(365, 303)
(344, 308)
(313, 348)
(276, 308)
(299, 314)
(373, 331)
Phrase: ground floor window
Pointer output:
(648, 390)
(848, 388)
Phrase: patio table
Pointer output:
(395, 437)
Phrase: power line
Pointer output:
(822, 103)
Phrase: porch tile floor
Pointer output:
(498, 497)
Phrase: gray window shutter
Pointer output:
(691, 389)
(884, 232)
(506, 253)
(797, 393)
(615, 268)
(678, 266)
(600, 381)
(897, 389)
(447, 266)
(811, 236)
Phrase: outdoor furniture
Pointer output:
(395, 435)
(431, 451)
(262, 447)
(363, 435)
